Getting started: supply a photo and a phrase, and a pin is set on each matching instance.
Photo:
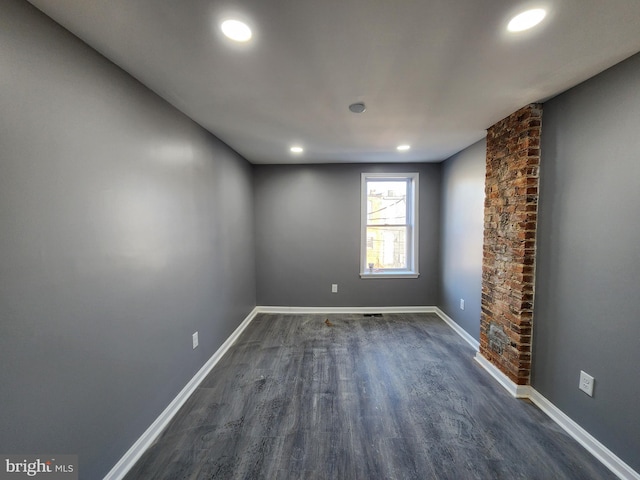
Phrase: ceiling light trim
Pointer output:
(236, 30)
(526, 20)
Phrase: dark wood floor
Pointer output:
(397, 397)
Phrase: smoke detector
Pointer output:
(357, 107)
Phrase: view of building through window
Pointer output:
(387, 224)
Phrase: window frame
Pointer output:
(412, 198)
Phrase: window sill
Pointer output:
(378, 275)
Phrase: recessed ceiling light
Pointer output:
(358, 107)
(526, 20)
(236, 30)
(296, 149)
(403, 148)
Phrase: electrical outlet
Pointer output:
(462, 304)
(194, 337)
(334, 288)
(586, 383)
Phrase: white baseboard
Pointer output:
(299, 310)
(518, 391)
(149, 436)
(584, 438)
(598, 450)
(458, 329)
(602, 453)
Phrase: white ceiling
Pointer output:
(433, 73)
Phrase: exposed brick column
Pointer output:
(510, 219)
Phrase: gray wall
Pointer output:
(124, 228)
(588, 266)
(463, 177)
(308, 237)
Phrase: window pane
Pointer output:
(386, 247)
(386, 202)
(389, 225)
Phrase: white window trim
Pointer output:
(413, 236)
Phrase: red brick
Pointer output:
(513, 157)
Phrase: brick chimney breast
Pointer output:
(510, 221)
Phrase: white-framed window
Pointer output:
(389, 225)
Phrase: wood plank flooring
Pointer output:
(392, 397)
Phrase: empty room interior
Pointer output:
(296, 239)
